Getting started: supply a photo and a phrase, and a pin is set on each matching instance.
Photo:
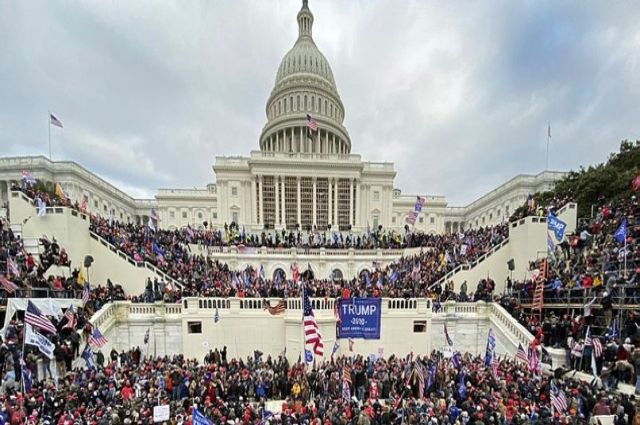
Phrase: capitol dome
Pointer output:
(305, 90)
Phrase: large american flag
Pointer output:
(594, 342)
(558, 399)
(311, 329)
(70, 316)
(34, 317)
(311, 123)
(97, 338)
(85, 293)
(12, 267)
(521, 354)
(7, 285)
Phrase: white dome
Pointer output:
(304, 57)
(304, 87)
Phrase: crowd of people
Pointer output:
(425, 389)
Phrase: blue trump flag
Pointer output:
(198, 418)
(462, 389)
(87, 355)
(557, 226)
(621, 233)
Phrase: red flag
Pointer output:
(635, 184)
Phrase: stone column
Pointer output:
(315, 213)
(260, 200)
(299, 203)
(351, 202)
(358, 206)
(326, 142)
(276, 185)
(284, 205)
(253, 200)
(335, 201)
(330, 209)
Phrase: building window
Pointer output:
(393, 220)
(234, 217)
(306, 202)
(194, 327)
(184, 214)
(172, 214)
(419, 326)
(105, 208)
(95, 203)
(491, 216)
(322, 203)
(199, 216)
(421, 220)
(214, 215)
(290, 202)
(376, 220)
(376, 195)
(343, 194)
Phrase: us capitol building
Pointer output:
(299, 177)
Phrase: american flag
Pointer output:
(71, 318)
(12, 267)
(346, 374)
(558, 399)
(411, 217)
(55, 121)
(311, 123)
(491, 346)
(533, 359)
(420, 372)
(594, 342)
(83, 203)
(311, 329)
(85, 293)
(154, 215)
(34, 317)
(7, 285)
(27, 177)
(447, 337)
(521, 354)
(279, 308)
(97, 338)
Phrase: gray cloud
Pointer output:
(457, 94)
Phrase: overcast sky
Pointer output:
(457, 94)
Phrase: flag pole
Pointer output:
(548, 140)
(49, 120)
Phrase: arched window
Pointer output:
(298, 103)
(336, 274)
(325, 107)
(291, 103)
(305, 102)
(313, 103)
(279, 272)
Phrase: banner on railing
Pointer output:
(359, 318)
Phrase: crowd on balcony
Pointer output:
(26, 272)
(539, 206)
(124, 388)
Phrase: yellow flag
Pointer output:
(80, 279)
(59, 191)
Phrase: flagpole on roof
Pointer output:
(548, 140)
(49, 121)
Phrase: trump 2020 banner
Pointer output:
(359, 318)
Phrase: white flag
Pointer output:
(42, 208)
(33, 337)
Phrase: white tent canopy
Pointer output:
(48, 306)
